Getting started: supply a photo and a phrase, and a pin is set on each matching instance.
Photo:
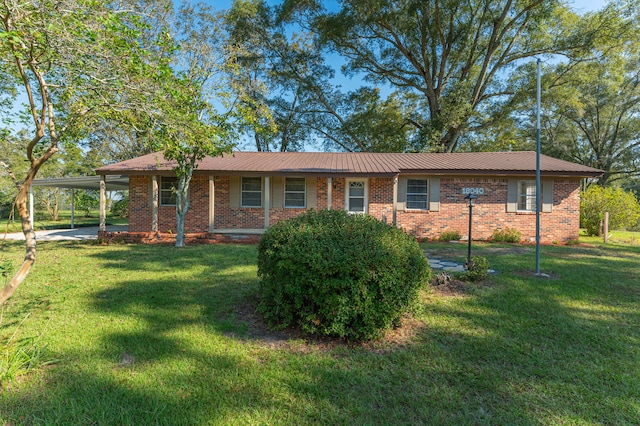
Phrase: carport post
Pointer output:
(73, 206)
(103, 203)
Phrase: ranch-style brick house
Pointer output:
(236, 196)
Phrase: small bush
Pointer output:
(477, 269)
(120, 208)
(506, 235)
(623, 208)
(336, 274)
(447, 236)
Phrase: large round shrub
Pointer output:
(336, 274)
(623, 207)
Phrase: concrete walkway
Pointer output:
(438, 265)
(76, 234)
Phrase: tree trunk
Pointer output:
(30, 237)
(182, 206)
(450, 140)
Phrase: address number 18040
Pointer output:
(473, 191)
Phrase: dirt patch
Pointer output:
(452, 288)
(295, 340)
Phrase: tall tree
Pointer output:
(76, 63)
(453, 57)
(197, 116)
(590, 102)
(592, 113)
(286, 78)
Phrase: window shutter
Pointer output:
(434, 194)
(234, 192)
(277, 192)
(512, 196)
(402, 193)
(312, 192)
(547, 196)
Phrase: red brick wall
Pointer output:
(321, 188)
(381, 199)
(140, 210)
(561, 225)
(139, 203)
(337, 195)
(489, 213)
(226, 217)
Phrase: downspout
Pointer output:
(395, 199)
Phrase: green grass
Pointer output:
(43, 221)
(624, 237)
(158, 335)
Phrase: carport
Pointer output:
(96, 183)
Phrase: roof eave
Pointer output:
(346, 174)
(475, 172)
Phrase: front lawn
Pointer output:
(159, 335)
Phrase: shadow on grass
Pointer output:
(171, 349)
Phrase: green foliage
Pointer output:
(506, 235)
(592, 104)
(120, 207)
(623, 208)
(447, 236)
(87, 200)
(429, 52)
(477, 269)
(336, 274)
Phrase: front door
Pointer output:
(356, 196)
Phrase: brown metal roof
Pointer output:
(360, 164)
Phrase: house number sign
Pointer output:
(473, 191)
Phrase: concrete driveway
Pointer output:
(77, 234)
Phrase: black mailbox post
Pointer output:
(471, 199)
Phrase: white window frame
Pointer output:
(288, 191)
(243, 191)
(365, 197)
(526, 196)
(426, 194)
(170, 192)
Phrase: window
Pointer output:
(417, 194)
(251, 192)
(294, 192)
(527, 195)
(168, 186)
(357, 196)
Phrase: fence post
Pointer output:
(606, 227)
